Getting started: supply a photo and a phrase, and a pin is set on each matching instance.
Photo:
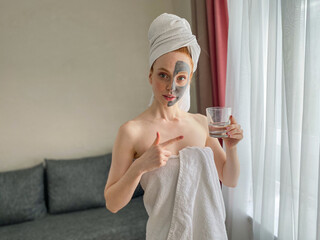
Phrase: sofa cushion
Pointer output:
(76, 184)
(97, 223)
(22, 195)
(138, 192)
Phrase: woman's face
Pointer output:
(170, 77)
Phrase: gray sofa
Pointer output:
(63, 199)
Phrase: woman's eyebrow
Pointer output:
(183, 72)
(163, 69)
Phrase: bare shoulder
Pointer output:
(134, 126)
(126, 137)
(123, 151)
(129, 129)
(201, 119)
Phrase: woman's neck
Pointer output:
(165, 113)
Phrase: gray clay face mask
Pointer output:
(178, 91)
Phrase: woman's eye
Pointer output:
(181, 78)
(163, 75)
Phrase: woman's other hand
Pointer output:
(234, 132)
(157, 155)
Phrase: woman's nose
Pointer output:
(171, 86)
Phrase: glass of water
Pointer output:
(218, 119)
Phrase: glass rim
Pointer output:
(218, 108)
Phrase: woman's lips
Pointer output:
(169, 97)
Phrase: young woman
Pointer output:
(146, 144)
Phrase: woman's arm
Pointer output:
(227, 163)
(124, 175)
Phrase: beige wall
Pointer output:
(71, 72)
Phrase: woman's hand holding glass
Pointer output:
(234, 132)
(157, 155)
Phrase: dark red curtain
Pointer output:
(218, 20)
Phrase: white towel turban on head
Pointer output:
(167, 33)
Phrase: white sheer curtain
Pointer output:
(273, 86)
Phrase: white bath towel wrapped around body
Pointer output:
(183, 198)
